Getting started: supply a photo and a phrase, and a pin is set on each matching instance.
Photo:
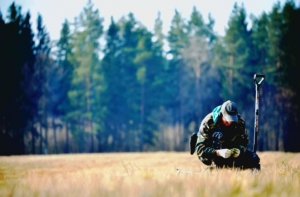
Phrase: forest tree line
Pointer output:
(128, 88)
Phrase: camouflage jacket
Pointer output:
(236, 137)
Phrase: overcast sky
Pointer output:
(54, 12)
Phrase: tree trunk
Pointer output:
(89, 120)
(181, 103)
(41, 138)
(230, 82)
(33, 139)
(92, 137)
(54, 134)
(46, 137)
(198, 107)
(67, 139)
(142, 114)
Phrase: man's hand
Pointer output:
(235, 152)
(225, 153)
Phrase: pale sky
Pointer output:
(54, 12)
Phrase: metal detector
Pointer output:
(258, 79)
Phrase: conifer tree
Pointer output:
(87, 86)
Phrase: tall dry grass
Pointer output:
(145, 174)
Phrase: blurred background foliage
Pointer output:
(127, 88)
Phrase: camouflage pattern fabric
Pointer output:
(212, 136)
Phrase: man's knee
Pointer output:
(252, 156)
(255, 157)
(249, 160)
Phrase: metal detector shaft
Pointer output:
(258, 79)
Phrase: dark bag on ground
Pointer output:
(193, 141)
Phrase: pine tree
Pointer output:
(130, 32)
(239, 50)
(290, 45)
(113, 77)
(27, 41)
(177, 40)
(16, 54)
(63, 79)
(158, 33)
(41, 82)
(85, 94)
(198, 56)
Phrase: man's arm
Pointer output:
(204, 142)
(204, 148)
(242, 139)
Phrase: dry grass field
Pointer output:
(145, 174)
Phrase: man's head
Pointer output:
(229, 113)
